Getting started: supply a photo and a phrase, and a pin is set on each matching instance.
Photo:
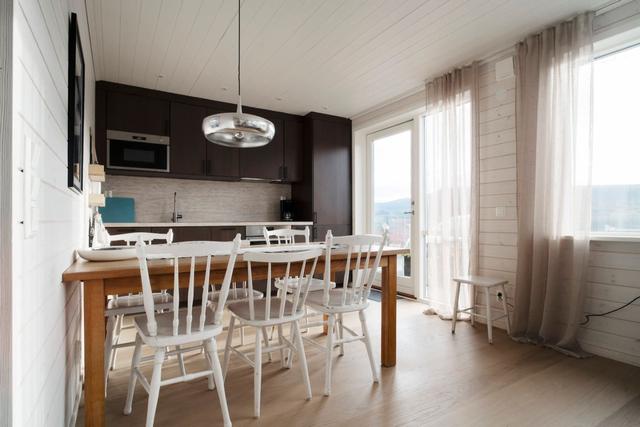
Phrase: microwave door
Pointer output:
(138, 156)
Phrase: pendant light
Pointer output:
(237, 129)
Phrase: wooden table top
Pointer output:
(89, 270)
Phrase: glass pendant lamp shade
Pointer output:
(237, 129)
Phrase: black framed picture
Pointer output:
(75, 107)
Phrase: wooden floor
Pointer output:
(440, 380)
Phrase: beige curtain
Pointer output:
(451, 172)
(553, 102)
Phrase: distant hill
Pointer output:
(393, 207)
(615, 208)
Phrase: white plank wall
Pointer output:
(614, 279)
(47, 314)
(498, 201)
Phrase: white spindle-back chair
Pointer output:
(275, 311)
(363, 254)
(119, 306)
(181, 326)
(285, 236)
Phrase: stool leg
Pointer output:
(487, 298)
(506, 310)
(454, 317)
(473, 305)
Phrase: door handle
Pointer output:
(409, 212)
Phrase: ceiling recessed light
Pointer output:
(160, 76)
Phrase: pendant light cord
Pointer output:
(238, 48)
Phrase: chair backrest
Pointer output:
(302, 274)
(133, 238)
(191, 251)
(361, 271)
(285, 236)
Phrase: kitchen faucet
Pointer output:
(176, 217)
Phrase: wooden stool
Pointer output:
(487, 283)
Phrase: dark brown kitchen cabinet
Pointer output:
(225, 234)
(221, 162)
(293, 144)
(189, 234)
(324, 194)
(265, 162)
(137, 113)
(188, 144)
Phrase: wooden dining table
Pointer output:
(101, 279)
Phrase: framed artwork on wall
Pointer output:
(75, 108)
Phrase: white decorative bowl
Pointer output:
(113, 253)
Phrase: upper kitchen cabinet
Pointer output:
(293, 144)
(188, 144)
(191, 154)
(137, 113)
(221, 162)
(265, 162)
(324, 194)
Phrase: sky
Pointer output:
(616, 119)
(392, 167)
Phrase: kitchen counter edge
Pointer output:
(206, 224)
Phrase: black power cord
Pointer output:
(587, 317)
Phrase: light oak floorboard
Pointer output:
(440, 379)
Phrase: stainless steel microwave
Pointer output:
(137, 151)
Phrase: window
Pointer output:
(616, 144)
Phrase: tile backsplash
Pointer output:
(199, 201)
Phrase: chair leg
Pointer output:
(341, 334)
(183, 370)
(119, 322)
(227, 347)
(265, 337)
(454, 316)
(506, 309)
(154, 386)
(283, 358)
(367, 343)
(211, 348)
(303, 358)
(108, 348)
(487, 300)
(133, 377)
(329, 355)
(257, 374)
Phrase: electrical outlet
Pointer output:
(499, 296)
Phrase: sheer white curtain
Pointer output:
(553, 91)
(450, 132)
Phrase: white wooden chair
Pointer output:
(119, 306)
(181, 326)
(352, 297)
(273, 311)
(287, 236)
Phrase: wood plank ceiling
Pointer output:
(340, 57)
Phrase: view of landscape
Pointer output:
(615, 208)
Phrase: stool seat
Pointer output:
(483, 281)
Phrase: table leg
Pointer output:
(94, 334)
(389, 289)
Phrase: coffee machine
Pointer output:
(286, 209)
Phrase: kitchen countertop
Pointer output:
(207, 224)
